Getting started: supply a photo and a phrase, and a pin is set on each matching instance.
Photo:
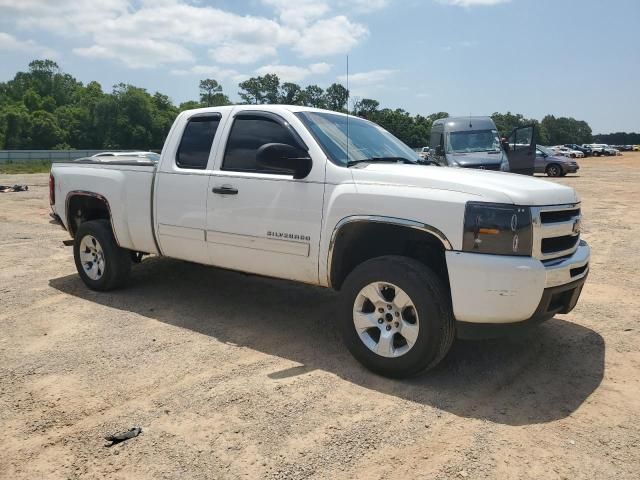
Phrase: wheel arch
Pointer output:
(553, 164)
(82, 206)
(358, 238)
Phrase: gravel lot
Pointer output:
(232, 376)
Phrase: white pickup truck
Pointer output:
(421, 254)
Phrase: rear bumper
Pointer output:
(56, 220)
(496, 289)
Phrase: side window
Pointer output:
(196, 142)
(248, 134)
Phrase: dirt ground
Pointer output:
(232, 376)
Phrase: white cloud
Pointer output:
(293, 73)
(9, 43)
(298, 13)
(365, 6)
(331, 36)
(367, 79)
(151, 33)
(137, 52)
(207, 70)
(319, 68)
(241, 53)
(473, 3)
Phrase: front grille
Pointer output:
(485, 166)
(556, 231)
(559, 244)
(559, 215)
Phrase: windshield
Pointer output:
(366, 139)
(473, 141)
(546, 150)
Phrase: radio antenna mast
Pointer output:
(348, 96)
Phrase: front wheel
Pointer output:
(396, 316)
(101, 263)
(554, 170)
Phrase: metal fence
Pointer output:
(9, 156)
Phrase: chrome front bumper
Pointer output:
(569, 269)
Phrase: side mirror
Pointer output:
(285, 159)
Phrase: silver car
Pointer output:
(554, 165)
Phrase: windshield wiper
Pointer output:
(351, 163)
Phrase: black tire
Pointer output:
(554, 170)
(117, 261)
(432, 304)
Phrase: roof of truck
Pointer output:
(262, 107)
(454, 124)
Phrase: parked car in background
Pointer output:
(602, 149)
(597, 149)
(473, 142)
(554, 165)
(574, 146)
(567, 152)
(424, 152)
(636, 148)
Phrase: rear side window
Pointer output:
(248, 134)
(196, 142)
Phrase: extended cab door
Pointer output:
(182, 186)
(521, 150)
(262, 221)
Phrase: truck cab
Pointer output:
(474, 142)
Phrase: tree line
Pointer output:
(45, 108)
(618, 138)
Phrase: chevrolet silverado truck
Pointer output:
(421, 254)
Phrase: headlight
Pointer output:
(497, 228)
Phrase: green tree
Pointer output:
(313, 96)
(251, 91)
(45, 131)
(366, 107)
(291, 94)
(211, 93)
(189, 105)
(17, 127)
(336, 97)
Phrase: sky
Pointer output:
(578, 58)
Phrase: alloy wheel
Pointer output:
(92, 257)
(386, 319)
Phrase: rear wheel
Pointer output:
(554, 170)
(100, 262)
(396, 316)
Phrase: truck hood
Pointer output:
(498, 187)
(469, 160)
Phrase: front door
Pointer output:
(262, 221)
(521, 151)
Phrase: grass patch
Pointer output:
(35, 166)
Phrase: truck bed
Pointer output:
(126, 183)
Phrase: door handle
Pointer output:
(225, 190)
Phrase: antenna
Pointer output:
(348, 96)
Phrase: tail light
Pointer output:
(52, 190)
